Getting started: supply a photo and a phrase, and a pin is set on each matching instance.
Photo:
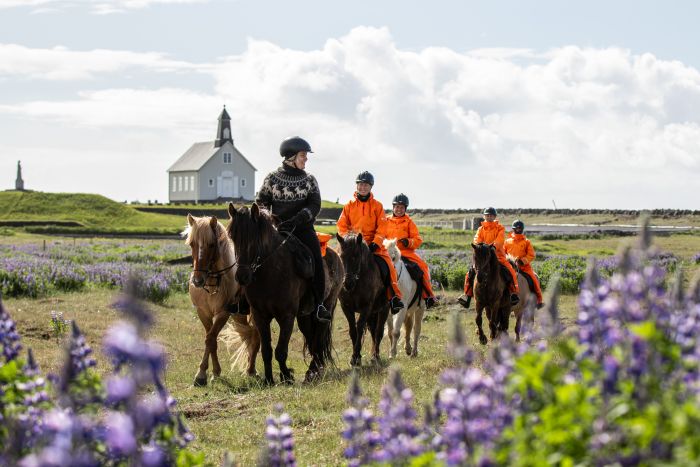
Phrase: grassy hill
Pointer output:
(92, 212)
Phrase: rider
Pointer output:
(401, 226)
(293, 196)
(519, 247)
(365, 215)
(492, 232)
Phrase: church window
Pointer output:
(227, 158)
(187, 184)
(174, 184)
(179, 183)
(192, 182)
(211, 182)
(243, 182)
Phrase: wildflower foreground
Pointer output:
(623, 390)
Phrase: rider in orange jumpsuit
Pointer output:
(401, 227)
(365, 215)
(519, 247)
(493, 233)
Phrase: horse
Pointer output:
(363, 292)
(491, 293)
(411, 315)
(274, 289)
(213, 284)
(526, 297)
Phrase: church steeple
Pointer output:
(223, 132)
(19, 183)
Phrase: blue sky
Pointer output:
(458, 104)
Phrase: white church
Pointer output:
(212, 170)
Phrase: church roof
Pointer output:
(198, 154)
(224, 115)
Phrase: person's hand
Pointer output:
(286, 226)
(520, 262)
(373, 247)
(404, 242)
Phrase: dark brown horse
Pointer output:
(276, 291)
(490, 291)
(363, 292)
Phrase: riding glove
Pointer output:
(404, 242)
(373, 247)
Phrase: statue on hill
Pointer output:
(19, 183)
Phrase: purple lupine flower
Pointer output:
(278, 450)
(397, 423)
(9, 339)
(119, 435)
(360, 438)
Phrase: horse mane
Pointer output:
(394, 252)
(201, 233)
(245, 230)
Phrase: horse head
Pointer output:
(484, 254)
(392, 249)
(353, 252)
(207, 239)
(252, 233)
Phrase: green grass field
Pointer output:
(229, 414)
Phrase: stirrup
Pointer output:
(322, 314)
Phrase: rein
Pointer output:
(216, 275)
(258, 262)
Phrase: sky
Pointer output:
(529, 104)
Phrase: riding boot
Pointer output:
(430, 302)
(539, 305)
(396, 304)
(322, 314)
(465, 300)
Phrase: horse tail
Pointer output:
(319, 343)
(241, 339)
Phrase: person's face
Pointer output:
(518, 230)
(364, 188)
(399, 210)
(300, 160)
(489, 217)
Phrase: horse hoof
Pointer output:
(483, 340)
(311, 376)
(356, 361)
(409, 351)
(414, 354)
(200, 382)
(287, 379)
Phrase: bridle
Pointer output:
(259, 261)
(209, 274)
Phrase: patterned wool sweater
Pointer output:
(288, 191)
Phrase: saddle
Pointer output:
(505, 274)
(416, 274)
(303, 261)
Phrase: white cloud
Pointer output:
(60, 63)
(588, 127)
(95, 6)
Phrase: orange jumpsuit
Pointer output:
(494, 233)
(404, 227)
(518, 246)
(368, 217)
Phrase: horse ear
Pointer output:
(190, 219)
(474, 246)
(359, 239)
(213, 221)
(255, 211)
(340, 238)
(231, 210)
(493, 247)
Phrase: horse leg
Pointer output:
(417, 324)
(282, 348)
(504, 321)
(356, 359)
(407, 328)
(253, 349)
(378, 333)
(517, 327)
(395, 330)
(266, 346)
(212, 341)
(479, 329)
(492, 313)
(201, 378)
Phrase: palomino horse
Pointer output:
(411, 315)
(491, 293)
(213, 284)
(275, 290)
(364, 293)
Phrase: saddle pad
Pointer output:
(323, 239)
(413, 269)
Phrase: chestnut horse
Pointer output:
(491, 293)
(276, 291)
(364, 293)
(213, 284)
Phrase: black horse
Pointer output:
(363, 292)
(275, 290)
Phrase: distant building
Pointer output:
(212, 171)
(19, 183)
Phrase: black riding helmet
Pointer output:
(518, 225)
(490, 210)
(400, 199)
(293, 145)
(365, 177)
